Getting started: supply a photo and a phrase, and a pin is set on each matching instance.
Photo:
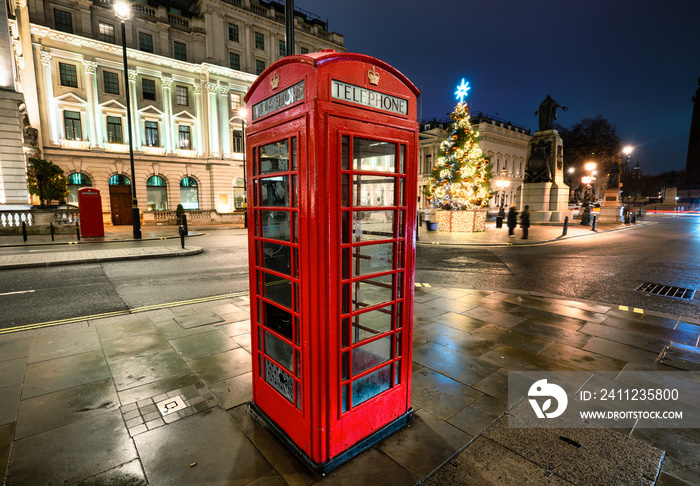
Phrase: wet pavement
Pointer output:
(79, 403)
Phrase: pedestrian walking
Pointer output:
(512, 220)
(525, 221)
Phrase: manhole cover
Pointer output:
(667, 291)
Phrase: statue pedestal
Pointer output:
(611, 207)
(548, 201)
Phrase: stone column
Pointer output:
(214, 147)
(51, 108)
(135, 125)
(92, 114)
(225, 133)
(168, 123)
(200, 126)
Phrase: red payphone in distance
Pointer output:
(332, 143)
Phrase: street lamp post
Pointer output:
(122, 12)
(501, 183)
(625, 176)
(589, 180)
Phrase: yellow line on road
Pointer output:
(73, 320)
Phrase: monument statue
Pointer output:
(548, 113)
(614, 177)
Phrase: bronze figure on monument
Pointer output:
(548, 113)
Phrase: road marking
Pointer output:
(19, 292)
(136, 310)
(638, 311)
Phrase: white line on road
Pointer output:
(19, 292)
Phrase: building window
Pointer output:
(303, 50)
(259, 66)
(152, 134)
(180, 51)
(114, 129)
(76, 181)
(145, 42)
(157, 194)
(237, 139)
(107, 33)
(148, 89)
(72, 124)
(111, 82)
(119, 180)
(63, 21)
(235, 102)
(238, 194)
(283, 48)
(234, 61)
(68, 74)
(185, 140)
(182, 95)
(189, 193)
(259, 41)
(233, 32)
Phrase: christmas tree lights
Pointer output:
(460, 178)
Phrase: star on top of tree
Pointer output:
(462, 89)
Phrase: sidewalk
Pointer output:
(78, 403)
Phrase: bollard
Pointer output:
(417, 227)
(184, 224)
(634, 218)
(595, 220)
(51, 226)
(77, 231)
(182, 232)
(566, 225)
(627, 217)
(24, 231)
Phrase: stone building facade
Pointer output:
(504, 143)
(189, 66)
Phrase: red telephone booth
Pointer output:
(90, 207)
(332, 143)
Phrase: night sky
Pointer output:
(637, 63)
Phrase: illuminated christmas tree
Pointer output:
(460, 178)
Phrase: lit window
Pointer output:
(179, 51)
(233, 32)
(72, 124)
(237, 139)
(182, 95)
(152, 134)
(157, 194)
(235, 101)
(119, 180)
(68, 74)
(111, 82)
(107, 33)
(63, 21)
(259, 66)
(234, 61)
(185, 139)
(145, 42)
(114, 129)
(148, 89)
(76, 181)
(189, 193)
(259, 41)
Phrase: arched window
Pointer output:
(157, 194)
(75, 182)
(189, 193)
(238, 193)
(119, 180)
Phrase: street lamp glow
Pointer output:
(122, 11)
(590, 166)
(627, 150)
(571, 170)
(243, 112)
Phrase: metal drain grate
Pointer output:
(667, 291)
